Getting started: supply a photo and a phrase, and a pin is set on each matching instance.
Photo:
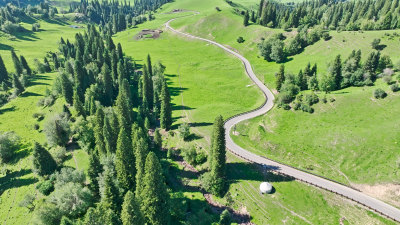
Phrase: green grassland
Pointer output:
(345, 140)
(204, 82)
(35, 44)
(17, 114)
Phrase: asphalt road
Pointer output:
(345, 191)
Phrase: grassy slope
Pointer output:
(17, 116)
(360, 124)
(195, 60)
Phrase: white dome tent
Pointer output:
(265, 188)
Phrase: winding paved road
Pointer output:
(345, 191)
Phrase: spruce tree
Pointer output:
(155, 198)
(149, 66)
(110, 198)
(141, 151)
(147, 89)
(123, 107)
(98, 130)
(131, 214)
(107, 85)
(3, 71)
(125, 161)
(120, 53)
(66, 88)
(302, 81)
(336, 72)
(43, 162)
(246, 19)
(280, 77)
(25, 65)
(18, 87)
(46, 63)
(17, 64)
(94, 170)
(79, 75)
(108, 136)
(218, 158)
(77, 103)
(166, 113)
(157, 140)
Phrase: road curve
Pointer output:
(345, 191)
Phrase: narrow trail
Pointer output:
(313, 179)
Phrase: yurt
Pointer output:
(265, 188)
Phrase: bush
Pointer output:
(35, 27)
(379, 93)
(57, 130)
(394, 87)
(38, 116)
(11, 28)
(59, 154)
(225, 218)
(240, 39)
(387, 79)
(307, 108)
(311, 99)
(189, 155)
(36, 126)
(184, 131)
(9, 143)
(296, 106)
(46, 187)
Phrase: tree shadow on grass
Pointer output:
(5, 47)
(248, 171)
(200, 124)
(56, 21)
(26, 35)
(180, 107)
(176, 91)
(28, 94)
(8, 109)
(20, 154)
(14, 180)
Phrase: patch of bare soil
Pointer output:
(148, 34)
(389, 193)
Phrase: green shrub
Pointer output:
(311, 99)
(394, 87)
(307, 108)
(57, 130)
(46, 187)
(240, 39)
(184, 131)
(189, 155)
(296, 106)
(59, 154)
(9, 143)
(379, 93)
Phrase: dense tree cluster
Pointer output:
(114, 16)
(126, 182)
(341, 74)
(274, 48)
(345, 15)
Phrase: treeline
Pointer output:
(344, 15)
(274, 48)
(341, 74)
(16, 81)
(115, 16)
(125, 182)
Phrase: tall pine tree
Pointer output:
(131, 214)
(125, 161)
(17, 64)
(166, 113)
(3, 71)
(155, 198)
(43, 162)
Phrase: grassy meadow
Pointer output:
(345, 139)
(204, 82)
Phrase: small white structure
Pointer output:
(265, 188)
